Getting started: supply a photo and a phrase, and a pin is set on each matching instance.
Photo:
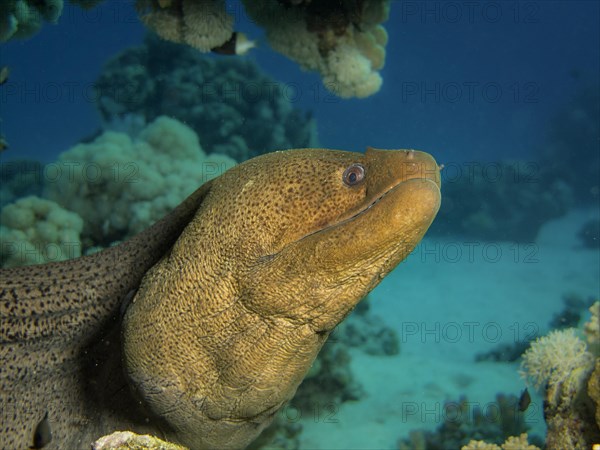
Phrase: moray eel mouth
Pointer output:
(425, 184)
(417, 176)
(389, 192)
(415, 167)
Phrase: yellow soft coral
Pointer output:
(34, 231)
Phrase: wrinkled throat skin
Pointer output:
(200, 328)
(225, 327)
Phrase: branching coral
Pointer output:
(202, 24)
(35, 231)
(120, 185)
(343, 41)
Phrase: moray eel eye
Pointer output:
(354, 174)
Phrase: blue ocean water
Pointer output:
(503, 94)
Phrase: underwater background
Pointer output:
(506, 95)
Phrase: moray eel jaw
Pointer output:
(224, 328)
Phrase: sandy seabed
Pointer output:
(450, 300)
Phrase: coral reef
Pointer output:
(512, 200)
(572, 312)
(594, 390)
(20, 178)
(23, 18)
(120, 185)
(34, 231)
(505, 352)
(500, 201)
(282, 434)
(589, 234)
(569, 316)
(202, 24)
(235, 108)
(365, 331)
(561, 363)
(591, 329)
(126, 440)
(329, 383)
(465, 421)
(576, 128)
(343, 41)
(512, 443)
(557, 360)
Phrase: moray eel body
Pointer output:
(235, 293)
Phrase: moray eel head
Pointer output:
(224, 328)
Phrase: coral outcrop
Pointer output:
(512, 443)
(202, 24)
(576, 128)
(589, 234)
(234, 107)
(23, 18)
(120, 184)
(559, 361)
(20, 178)
(464, 421)
(592, 329)
(35, 231)
(507, 201)
(126, 440)
(343, 41)
(562, 364)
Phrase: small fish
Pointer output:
(4, 73)
(42, 435)
(237, 44)
(524, 400)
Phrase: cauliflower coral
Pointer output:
(343, 41)
(34, 231)
(202, 24)
(120, 185)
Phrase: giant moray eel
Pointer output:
(202, 327)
